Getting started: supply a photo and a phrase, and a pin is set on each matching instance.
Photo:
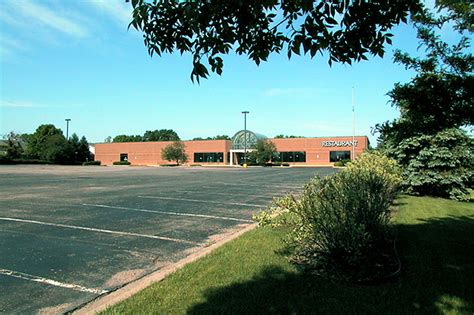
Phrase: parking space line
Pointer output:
(99, 230)
(259, 185)
(205, 201)
(25, 276)
(170, 213)
(224, 193)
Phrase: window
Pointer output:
(335, 156)
(211, 157)
(290, 157)
(123, 156)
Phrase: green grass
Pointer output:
(251, 275)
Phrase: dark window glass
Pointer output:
(335, 156)
(209, 157)
(198, 157)
(123, 156)
(291, 157)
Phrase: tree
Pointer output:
(218, 137)
(438, 165)
(426, 139)
(79, 149)
(108, 139)
(14, 148)
(57, 150)
(221, 137)
(441, 95)
(83, 153)
(161, 135)
(125, 138)
(345, 31)
(36, 146)
(281, 136)
(175, 152)
(264, 151)
(73, 148)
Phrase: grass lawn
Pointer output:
(250, 274)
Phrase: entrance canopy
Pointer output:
(238, 140)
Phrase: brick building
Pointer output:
(295, 151)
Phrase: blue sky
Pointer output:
(76, 59)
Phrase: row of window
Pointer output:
(209, 157)
(334, 156)
(289, 157)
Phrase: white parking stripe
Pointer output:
(25, 276)
(169, 213)
(205, 201)
(222, 193)
(99, 230)
(260, 185)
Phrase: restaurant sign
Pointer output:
(338, 143)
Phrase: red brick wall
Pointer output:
(149, 153)
(316, 154)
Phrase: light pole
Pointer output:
(245, 112)
(67, 127)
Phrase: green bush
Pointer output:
(379, 163)
(91, 163)
(439, 165)
(121, 163)
(339, 226)
(342, 162)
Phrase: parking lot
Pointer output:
(69, 234)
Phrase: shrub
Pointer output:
(91, 163)
(342, 162)
(121, 163)
(379, 163)
(339, 226)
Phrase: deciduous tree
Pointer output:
(343, 31)
(175, 152)
(37, 142)
(14, 148)
(126, 138)
(263, 153)
(161, 135)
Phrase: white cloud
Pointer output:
(49, 18)
(117, 9)
(30, 104)
(9, 45)
(16, 104)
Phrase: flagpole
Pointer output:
(353, 124)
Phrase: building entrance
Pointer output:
(237, 157)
